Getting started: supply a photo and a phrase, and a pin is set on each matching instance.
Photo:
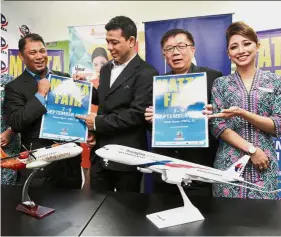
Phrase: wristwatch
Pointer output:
(252, 149)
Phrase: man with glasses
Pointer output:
(178, 49)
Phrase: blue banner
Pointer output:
(65, 100)
(269, 59)
(209, 37)
(178, 120)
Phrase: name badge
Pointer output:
(270, 90)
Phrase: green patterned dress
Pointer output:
(263, 99)
(8, 176)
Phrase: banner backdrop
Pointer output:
(209, 37)
(16, 66)
(4, 44)
(269, 59)
(88, 50)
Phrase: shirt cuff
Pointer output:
(40, 98)
(95, 124)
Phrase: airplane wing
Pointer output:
(12, 163)
(193, 174)
(37, 164)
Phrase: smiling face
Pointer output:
(242, 51)
(179, 59)
(35, 56)
(120, 49)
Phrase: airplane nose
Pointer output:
(79, 150)
(99, 152)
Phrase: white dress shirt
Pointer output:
(115, 72)
(117, 69)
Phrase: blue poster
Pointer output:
(269, 59)
(66, 99)
(209, 37)
(178, 103)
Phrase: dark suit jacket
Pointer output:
(121, 107)
(203, 156)
(23, 113)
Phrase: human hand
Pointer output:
(208, 109)
(44, 87)
(79, 77)
(89, 119)
(228, 113)
(148, 115)
(91, 140)
(260, 160)
(6, 137)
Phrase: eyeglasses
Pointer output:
(180, 47)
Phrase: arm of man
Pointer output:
(21, 113)
(95, 100)
(134, 115)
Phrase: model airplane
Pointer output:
(40, 158)
(176, 171)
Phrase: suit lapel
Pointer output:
(125, 75)
(192, 68)
(105, 79)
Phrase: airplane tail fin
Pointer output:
(3, 154)
(235, 170)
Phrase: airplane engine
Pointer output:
(172, 177)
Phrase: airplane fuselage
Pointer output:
(148, 162)
(44, 156)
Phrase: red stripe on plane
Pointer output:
(180, 166)
(183, 166)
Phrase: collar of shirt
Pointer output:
(37, 77)
(124, 64)
(190, 70)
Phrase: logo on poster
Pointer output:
(63, 131)
(94, 32)
(179, 136)
(4, 22)
(24, 30)
(4, 46)
(4, 67)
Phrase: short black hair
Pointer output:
(31, 37)
(125, 24)
(99, 51)
(174, 32)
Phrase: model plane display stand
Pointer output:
(28, 206)
(176, 216)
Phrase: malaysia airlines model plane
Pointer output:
(40, 158)
(177, 171)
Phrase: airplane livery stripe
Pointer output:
(180, 166)
(163, 162)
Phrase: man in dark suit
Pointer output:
(124, 92)
(178, 48)
(24, 107)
